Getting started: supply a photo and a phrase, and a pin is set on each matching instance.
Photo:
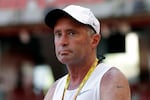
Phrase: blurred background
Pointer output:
(28, 65)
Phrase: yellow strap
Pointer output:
(83, 81)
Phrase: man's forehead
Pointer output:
(69, 20)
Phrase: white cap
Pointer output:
(80, 14)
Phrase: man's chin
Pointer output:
(65, 60)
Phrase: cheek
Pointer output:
(56, 47)
(82, 46)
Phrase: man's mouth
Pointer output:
(64, 52)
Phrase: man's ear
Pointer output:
(95, 40)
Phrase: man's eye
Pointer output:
(71, 33)
(58, 34)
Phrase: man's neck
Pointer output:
(78, 72)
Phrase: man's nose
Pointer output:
(64, 41)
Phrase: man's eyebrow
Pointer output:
(56, 31)
(70, 30)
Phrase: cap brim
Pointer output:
(53, 16)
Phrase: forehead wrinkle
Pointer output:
(67, 22)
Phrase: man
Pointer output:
(76, 37)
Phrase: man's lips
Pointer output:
(64, 52)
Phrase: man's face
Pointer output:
(72, 42)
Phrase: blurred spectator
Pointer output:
(141, 91)
(24, 88)
(139, 7)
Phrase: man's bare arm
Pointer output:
(114, 86)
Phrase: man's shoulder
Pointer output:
(116, 84)
(114, 74)
(51, 91)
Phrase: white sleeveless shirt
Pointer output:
(91, 89)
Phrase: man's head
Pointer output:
(80, 14)
(74, 41)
